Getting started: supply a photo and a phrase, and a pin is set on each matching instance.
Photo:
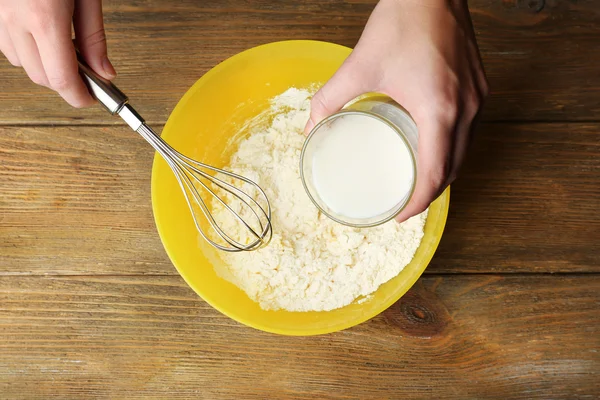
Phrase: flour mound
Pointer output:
(312, 263)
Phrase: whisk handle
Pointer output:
(102, 89)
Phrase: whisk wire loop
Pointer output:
(187, 171)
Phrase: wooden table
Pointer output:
(91, 307)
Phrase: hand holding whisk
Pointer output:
(250, 207)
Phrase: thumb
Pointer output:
(91, 38)
(345, 85)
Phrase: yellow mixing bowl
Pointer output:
(202, 125)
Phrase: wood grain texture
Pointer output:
(76, 200)
(151, 337)
(541, 56)
(91, 307)
(527, 200)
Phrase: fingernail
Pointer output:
(108, 68)
(309, 125)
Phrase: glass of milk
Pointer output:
(358, 166)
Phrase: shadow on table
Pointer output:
(474, 199)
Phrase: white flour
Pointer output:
(312, 263)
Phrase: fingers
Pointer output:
(59, 61)
(477, 71)
(470, 106)
(436, 142)
(7, 48)
(39, 39)
(474, 91)
(347, 83)
(473, 52)
(29, 57)
(462, 140)
(91, 38)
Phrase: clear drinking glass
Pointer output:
(383, 109)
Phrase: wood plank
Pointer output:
(541, 57)
(527, 200)
(76, 200)
(453, 337)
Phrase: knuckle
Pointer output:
(318, 104)
(439, 175)
(59, 82)
(95, 38)
(41, 21)
(8, 16)
(447, 112)
(473, 100)
(446, 106)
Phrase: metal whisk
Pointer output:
(194, 176)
